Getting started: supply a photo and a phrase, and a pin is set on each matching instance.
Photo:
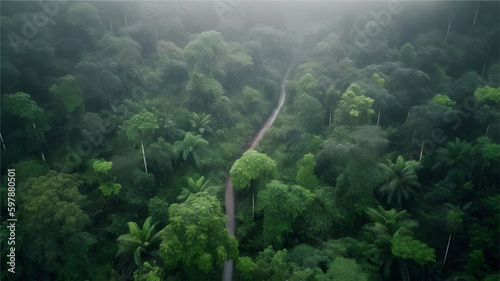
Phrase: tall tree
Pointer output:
(140, 126)
(249, 167)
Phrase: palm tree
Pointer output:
(455, 156)
(193, 145)
(196, 186)
(400, 179)
(200, 122)
(138, 244)
(384, 226)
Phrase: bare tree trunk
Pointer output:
(378, 118)
(487, 129)
(474, 23)
(1, 138)
(125, 16)
(421, 152)
(253, 204)
(156, 32)
(449, 25)
(144, 157)
(485, 60)
(111, 25)
(447, 248)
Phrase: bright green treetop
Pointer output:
(250, 166)
(443, 100)
(197, 236)
(487, 93)
(106, 181)
(141, 124)
(408, 248)
(354, 109)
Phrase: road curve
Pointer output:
(227, 275)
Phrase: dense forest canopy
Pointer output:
(122, 120)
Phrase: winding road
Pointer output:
(229, 195)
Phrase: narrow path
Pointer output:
(229, 195)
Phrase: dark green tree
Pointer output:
(138, 246)
(195, 146)
(400, 180)
(207, 54)
(55, 224)
(407, 56)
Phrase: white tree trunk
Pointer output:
(144, 157)
(474, 23)
(421, 152)
(447, 248)
(378, 118)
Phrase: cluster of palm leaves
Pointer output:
(137, 246)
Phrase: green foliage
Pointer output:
(443, 100)
(343, 269)
(281, 204)
(203, 90)
(375, 78)
(354, 108)
(247, 267)
(197, 186)
(310, 113)
(250, 166)
(200, 122)
(137, 245)
(68, 93)
(140, 125)
(307, 85)
(407, 55)
(253, 100)
(196, 235)
(207, 53)
(385, 224)
(241, 59)
(54, 223)
(147, 272)
(400, 180)
(453, 154)
(486, 94)
(21, 104)
(195, 146)
(305, 175)
(271, 265)
(408, 248)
